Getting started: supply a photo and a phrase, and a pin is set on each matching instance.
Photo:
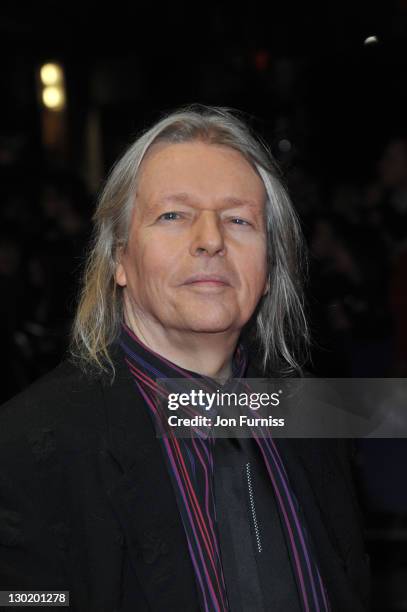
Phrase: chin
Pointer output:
(210, 329)
(209, 325)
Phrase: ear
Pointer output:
(120, 272)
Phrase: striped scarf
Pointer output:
(190, 465)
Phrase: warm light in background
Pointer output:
(51, 74)
(53, 97)
(52, 86)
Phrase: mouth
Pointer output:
(214, 280)
(208, 282)
(207, 287)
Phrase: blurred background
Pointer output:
(325, 87)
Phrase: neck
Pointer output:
(208, 354)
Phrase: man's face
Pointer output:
(196, 256)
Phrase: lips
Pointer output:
(216, 279)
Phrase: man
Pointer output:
(195, 247)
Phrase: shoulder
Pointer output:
(65, 402)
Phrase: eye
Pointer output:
(239, 221)
(168, 216)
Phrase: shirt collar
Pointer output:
(158, 366)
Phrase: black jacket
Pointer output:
(86, 504)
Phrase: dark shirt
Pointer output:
(255, 555)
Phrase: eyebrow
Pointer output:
(182, 197)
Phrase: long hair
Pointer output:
(278, 327)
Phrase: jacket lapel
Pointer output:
(329, 535)
(142, 496)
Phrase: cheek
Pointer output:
(154, 264)
(157, 266)
(253, 269)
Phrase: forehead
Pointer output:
(201, 168)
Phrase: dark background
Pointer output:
(332, 108)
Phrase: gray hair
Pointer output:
(278, 327)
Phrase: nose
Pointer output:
(207, 235)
